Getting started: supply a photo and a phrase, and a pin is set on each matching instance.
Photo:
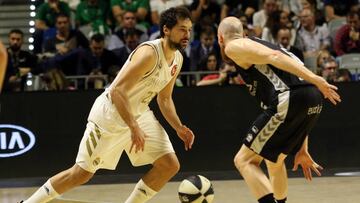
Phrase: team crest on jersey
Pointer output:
(173, 70)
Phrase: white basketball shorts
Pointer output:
(107, 136)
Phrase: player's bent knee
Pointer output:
(240, 162)
(168, 163)
(79, 175)
(246, 157)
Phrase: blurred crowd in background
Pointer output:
(82, 44)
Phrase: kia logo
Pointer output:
(15, 140)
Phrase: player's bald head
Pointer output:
(231, 27)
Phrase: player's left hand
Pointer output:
(307, 164)
(187, 136)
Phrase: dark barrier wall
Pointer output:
(219, 117)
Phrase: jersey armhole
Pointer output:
(157, 56)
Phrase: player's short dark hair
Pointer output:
(16, 31)
(170, 17)
(97, 38)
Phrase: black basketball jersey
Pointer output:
(266, 81)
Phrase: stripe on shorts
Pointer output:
(274, 122)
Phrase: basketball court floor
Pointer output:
(330, 189)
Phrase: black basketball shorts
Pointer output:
(283, 126)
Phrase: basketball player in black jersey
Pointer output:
(290, 95)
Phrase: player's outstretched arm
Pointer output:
(142, 61)
(3, 64)
(245, 52)
(167, 108)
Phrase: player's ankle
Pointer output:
(281, 200)
(269, 198)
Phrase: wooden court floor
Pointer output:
(320, 190)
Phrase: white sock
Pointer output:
(44, 194)
(141, 193)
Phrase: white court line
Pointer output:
(64, 200)
(354, 173)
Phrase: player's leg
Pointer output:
(248, 164)
(159, 152)
(162, 171)
(59, 184)
(278, 178)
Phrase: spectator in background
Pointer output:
(283, 39)
(101, 61)
(139, 7)
(261, 16)
(347, 37)
(311, 38)
(207, 44)
(116, 40)
(323, 56)
(3, 64)
(63, 49)
(339, 8)
(234, 8)
(132, 40)
(329, 70)
(45, 18)
(92, 17)
(210, 63)
(227, 76)
(204, 13)
(313, 6)
(22, 62)
(278, 20)
(248, 28)
(343, 75)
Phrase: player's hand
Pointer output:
(328, 90)
(138, 139)
(307, 164)
(187, 136)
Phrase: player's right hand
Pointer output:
(187, 136)
(328, 90)
(303, 159)
(138, 139)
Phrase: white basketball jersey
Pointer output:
(154, 81)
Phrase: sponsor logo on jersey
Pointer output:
(15, 140)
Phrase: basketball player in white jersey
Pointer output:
(291, 97)
(3, 64)
(120, 119)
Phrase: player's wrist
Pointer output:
(180, 128)
(133, 126)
